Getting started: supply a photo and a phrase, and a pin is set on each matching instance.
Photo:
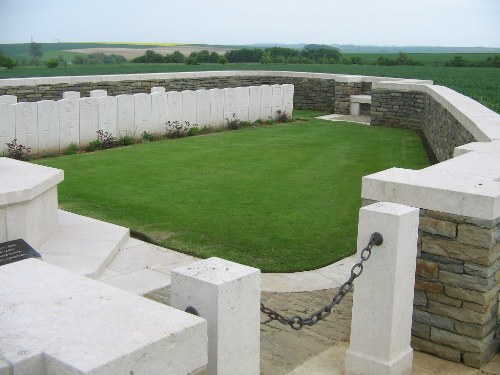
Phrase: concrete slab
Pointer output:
(56, 322)
(360, 119)
(140, 282)
(331, 362)
(83, 245)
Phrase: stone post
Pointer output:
(227, 295)
(98, 93)
(71, 95)
(383, 297)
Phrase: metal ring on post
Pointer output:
(376, 239)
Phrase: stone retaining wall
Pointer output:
(456, 288)
(310, 93)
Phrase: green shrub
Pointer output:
(106, 139)
(93, 146)
(71, 149)
(234, 123)
(282, 116)
(126, 140)
(193, 131)
(148, 137)
(17, 151)
(207, 129)
(270, 122)
(176, 130)
(258, 122)
(53, 62)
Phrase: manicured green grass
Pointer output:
(281, 198)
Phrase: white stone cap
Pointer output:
(468, 195)
(215, 271)
(492, 147)
(22, 181)
(52, 318)
(366, 99)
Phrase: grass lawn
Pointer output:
(281, 198)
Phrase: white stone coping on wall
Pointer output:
(480, 121)
(363, 99)
(56, 322)
(492, 147)
(180, 75)
(22, 182)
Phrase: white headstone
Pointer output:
(108, 115)
(98, 93)
(27, 125)
(142, 106)
(158, 111)
(229, 104)
(48, 125)
(202, 108)
(266, 110)
(277, 101)
(157, 89)
(8, 99)
(71, 95)
(69, 122)
(174, 106)
(125, 115)
(288, 90)
(89, 120)
(189, 107)
(7, 125)
(242, 102)
(216, 107)
(254, 107)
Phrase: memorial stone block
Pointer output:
(202, 107)
(8, 99)
(48, 125)
(242, 102)
(155, 90)
(125, 115)
(108, 114)
(69, 122)
(71, 95)
(7, 125)
(189, 107)
(142, 106)
(98, 93)
(158, 111)
(266, 110)
(89, 120)
(16, 250)
(288, 90)
(174, 106)
(277, 101)
(216, 107)
(254, 103)
(27, 125)
(230, 110)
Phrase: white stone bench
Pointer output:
(356, 101)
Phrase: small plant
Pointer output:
(246, 124)
(234, 123)
(126, 140)
(106, 139)
(282, 116)
(93, 146)
(71, 149)
(270, 122)
(258, 122)
(193, 131)
(17, 151)
(176, 130)
(148, 137)
(207, 129)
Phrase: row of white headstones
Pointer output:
(50, 125)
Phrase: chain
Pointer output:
(297, 322)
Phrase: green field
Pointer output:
(281, 198)
(480, 84)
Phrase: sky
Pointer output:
(449, 23)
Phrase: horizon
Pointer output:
(447, 23)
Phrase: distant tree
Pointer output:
(222, 60)
(53, 62)
(266, 58)
(6, 61)
(36, 50)
(458, 61)
(177, 57)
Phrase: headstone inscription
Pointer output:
(16, 250)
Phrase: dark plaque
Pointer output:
(13, 251)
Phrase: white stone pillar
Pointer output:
(227, 295)
(156, 89)
(71, 95)
(98, 93)
(383, 296)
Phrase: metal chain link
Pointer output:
(297, 322)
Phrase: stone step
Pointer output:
(83, 245)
